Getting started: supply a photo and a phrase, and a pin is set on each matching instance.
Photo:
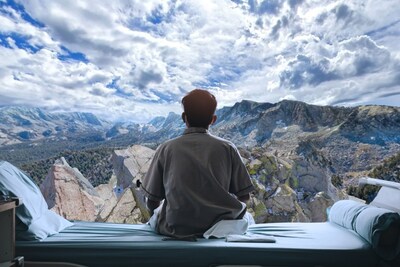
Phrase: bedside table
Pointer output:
(7, 233)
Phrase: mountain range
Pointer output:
(22, 124)
(346, 138)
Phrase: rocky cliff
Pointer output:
(71, 195)
(290, 188)
(280, 193)
(130, 165)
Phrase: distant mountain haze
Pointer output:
(21, 124)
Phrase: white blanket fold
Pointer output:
(251, 238)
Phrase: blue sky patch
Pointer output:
(69, 55)
(21, 42)
(119, 92)
(165, 97)
(21, 10)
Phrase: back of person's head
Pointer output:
(199, 106)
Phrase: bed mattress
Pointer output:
(108, 244)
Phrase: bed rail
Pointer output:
(388, 196)
(373, 181)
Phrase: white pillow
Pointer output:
(380, 227)
(38, 221)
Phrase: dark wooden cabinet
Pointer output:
(7, 234)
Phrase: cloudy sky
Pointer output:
(136, 59)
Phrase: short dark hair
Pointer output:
(199, 106)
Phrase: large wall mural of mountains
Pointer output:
(301, 157)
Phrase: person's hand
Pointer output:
(152, 205)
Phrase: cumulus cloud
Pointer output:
(136, 59)
(350, 58)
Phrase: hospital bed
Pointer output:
(297, 244)
(355, 235)
(106, 244)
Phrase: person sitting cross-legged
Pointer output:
(196, 180)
